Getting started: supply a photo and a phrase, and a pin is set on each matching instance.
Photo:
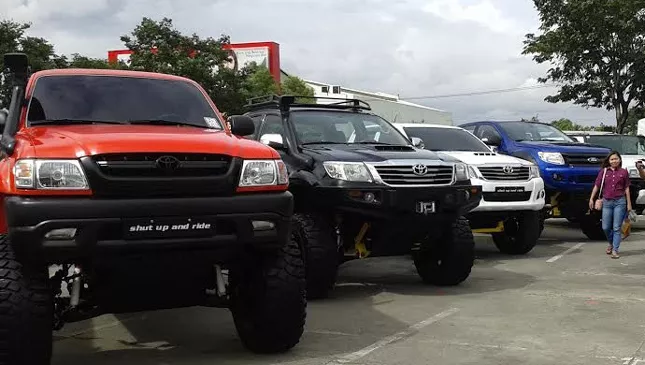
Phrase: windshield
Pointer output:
(523, 131)
(88, 98)
(447, 139)
(625, 145)
(343, 127)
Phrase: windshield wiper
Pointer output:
(375, 142)
(164, 122)
(64, 121)
(322, 142)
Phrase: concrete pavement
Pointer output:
(564, 303)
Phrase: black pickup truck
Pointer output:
(361, 188)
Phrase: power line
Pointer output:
(485, 92)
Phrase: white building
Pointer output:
(389, 107)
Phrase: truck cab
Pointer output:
(568, 167)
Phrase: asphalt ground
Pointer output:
(566, 302)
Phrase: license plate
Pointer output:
(425, 208)
(509, 189)
(167, 227)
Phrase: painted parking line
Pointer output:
(557, 257)
(393, 338)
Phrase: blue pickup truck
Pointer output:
(568, 168)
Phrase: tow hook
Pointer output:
(75, 294)
(220, 290)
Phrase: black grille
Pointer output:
(498, 173)
(404, 175)
(121, 177)
(507, 197)
(583, 159)
(162, 164)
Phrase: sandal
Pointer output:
(609, 250)
(615, 255)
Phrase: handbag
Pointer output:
(598, 203)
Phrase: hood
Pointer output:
(563, 147)
(71, 141)
(372, 153)
(485, 158)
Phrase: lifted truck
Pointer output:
(132, 191)
(568, 168)
(356, 196)
(513, 191)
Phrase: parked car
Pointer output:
(513, 191)
(568, 168)
(631, 149)
(358, 195)
(131, 188)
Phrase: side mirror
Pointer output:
(492, 141)
(18, 65)
(273, 140)
(417, 142)
(241, 125)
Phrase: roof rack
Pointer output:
(286, 102)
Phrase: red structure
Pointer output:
(263, 53)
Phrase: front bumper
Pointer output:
(401, 202)
(569, 179)
(530, 195)
(212, 223)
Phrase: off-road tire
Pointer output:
(26, 311)
(449, 261)
(520, 234)
(321, 253)
(268, 300)
(591, 226)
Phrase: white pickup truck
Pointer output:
(513, 191)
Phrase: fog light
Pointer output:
(61, 234)
(263, 225)
(369, 197)
(541, 194)
(557, 177)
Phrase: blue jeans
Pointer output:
(613, 215)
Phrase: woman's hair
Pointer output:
(605, 162)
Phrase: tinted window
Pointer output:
(625, 145)
(344, 127)
(111, 98)
(447, 139)
(522, 131)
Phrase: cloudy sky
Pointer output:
(418, 49)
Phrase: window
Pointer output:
(272, 125)
(470, 128)
(330, 126)
(119, 99)
(487, 131)
(523, 131)
(625, 145)
(447, 139)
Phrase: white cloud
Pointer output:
(405, 47)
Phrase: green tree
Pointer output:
(293, 85)
(635, 114)
(597, 52)
(564, 124)
(41, 54)
(158, 47)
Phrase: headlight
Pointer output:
(49, 174)
(534, 172)
(263, 173)
(348, 171)
(461, 172)
(552, 157)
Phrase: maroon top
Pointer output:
(616, 181)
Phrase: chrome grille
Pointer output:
(516, 173)
(404, 175)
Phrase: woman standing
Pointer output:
(613, 184)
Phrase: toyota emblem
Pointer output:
(420, 169)
(508, 169)
(168, 163)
